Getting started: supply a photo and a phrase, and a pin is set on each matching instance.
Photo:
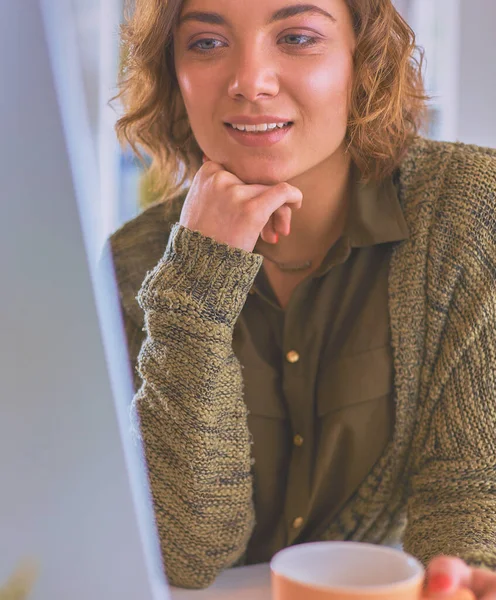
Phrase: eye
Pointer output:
(205, 45)
(294, 39)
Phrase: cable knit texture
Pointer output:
(435, 484)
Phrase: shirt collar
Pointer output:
(375, 215)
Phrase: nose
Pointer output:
(254, 75)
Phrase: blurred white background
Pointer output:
(460, 47)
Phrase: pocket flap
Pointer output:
(354, 379)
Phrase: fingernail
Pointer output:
(277, 238)
(439, 582)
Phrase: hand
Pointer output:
(446, 575)
(221, 206)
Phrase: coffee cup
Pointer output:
(348, 571)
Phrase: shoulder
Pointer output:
(450, 183)
(448, 191)
(451, 168)
(138, 246)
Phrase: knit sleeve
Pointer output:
(192, 417)
(452, 506)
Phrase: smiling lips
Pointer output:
(261, 127)
(264, 130)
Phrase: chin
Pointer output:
(261, 179)
(261, 175)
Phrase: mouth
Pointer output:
(260, 129)
(259, 136)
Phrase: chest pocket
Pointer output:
(352, 380)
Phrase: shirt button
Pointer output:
(292, 356)
(298, 441)
(297, 523)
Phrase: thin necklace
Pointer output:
(288, 267)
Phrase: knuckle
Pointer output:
(216, 178)
(208, 168)
(291, 192)
(297, 194)
(219, 178)
(285, 187)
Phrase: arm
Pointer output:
(191, 413)
(452, 507)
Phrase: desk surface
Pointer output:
(243, 583)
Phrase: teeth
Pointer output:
(261, 127)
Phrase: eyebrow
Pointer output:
(286, 12)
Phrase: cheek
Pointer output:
(198, 95)
(196, 88)
(329, 86)
(188, 87)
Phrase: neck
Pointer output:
(320, 221)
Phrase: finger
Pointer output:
(209, 167)
(445, 575)
(483, 583)
(210, 164)
(282, 220)
(251, 190)
(205, 159)
(268, 233)
(269, 202)
(457, 573)
(278, 195)
(270, 238)
(278, 224)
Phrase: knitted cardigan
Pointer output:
(434, 485)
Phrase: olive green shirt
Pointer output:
(318, 377)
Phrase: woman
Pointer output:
(316, 313)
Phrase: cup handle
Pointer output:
(461, 594)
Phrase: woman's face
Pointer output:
(271, 60)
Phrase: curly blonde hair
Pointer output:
(388, 99)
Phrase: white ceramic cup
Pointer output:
(348, 571)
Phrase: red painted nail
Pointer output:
(277, 238)
(439, 582)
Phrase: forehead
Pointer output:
(267, 11)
